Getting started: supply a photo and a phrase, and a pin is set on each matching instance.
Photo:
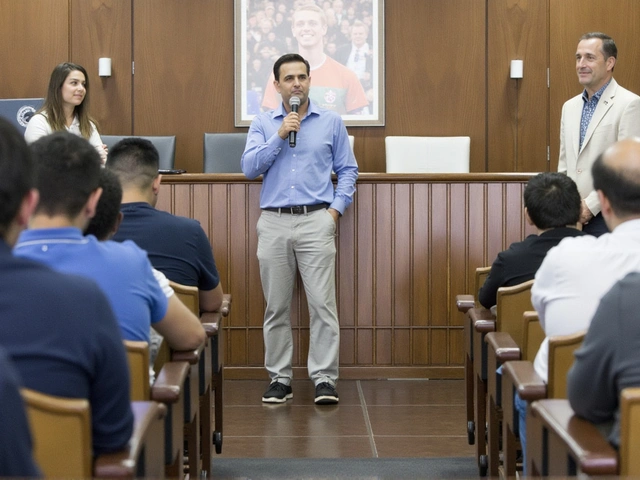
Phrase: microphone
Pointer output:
(294, 103)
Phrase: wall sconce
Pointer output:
(516, 68)
(104, 67)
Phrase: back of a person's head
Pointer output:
(552, 200)
(135, 161)
(67, 171)
(16, 173)
(103, 223)
(616, 172)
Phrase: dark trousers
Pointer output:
(596, 226)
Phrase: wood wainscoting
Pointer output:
(406, 247)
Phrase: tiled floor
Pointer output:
(375, 418)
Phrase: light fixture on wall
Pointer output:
(104, 67)
(516, 68)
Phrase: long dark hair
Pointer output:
(53, 102)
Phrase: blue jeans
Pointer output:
(521, 406)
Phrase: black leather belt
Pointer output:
(298, 210)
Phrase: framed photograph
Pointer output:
(343, 41)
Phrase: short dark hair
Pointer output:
(17, 175)
(288, 58)
(67, 171)
(609, 48)
(621, 188)
(552, 200)
(135, 161)
(108, 209)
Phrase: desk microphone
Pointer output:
(294, 103)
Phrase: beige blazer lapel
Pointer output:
(573, 129)
(604, 104)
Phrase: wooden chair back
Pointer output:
(481, 275)
(629, 432)
(561, 349)
(138, 357)
(190, 296)
(533, 335)
(511, 304)
(61, 429)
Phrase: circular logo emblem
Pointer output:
(330, 96)
(24, 114)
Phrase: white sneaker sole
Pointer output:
(289, 396)
(326, 400)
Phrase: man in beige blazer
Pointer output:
(600, 116)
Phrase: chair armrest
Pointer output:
(484, 325)
(503, 346)
(190, 356)
(168, 385)
(482, 319)
(581, 439)
(211, 322)
(145, 424)
(465, 302)
(526, 381)
(225, 308)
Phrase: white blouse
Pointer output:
(39, 126)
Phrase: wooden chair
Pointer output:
(195, 361)
(167, 389)
(520, 376)
(501, 348)
(211, 387)
(463, 303)
(630, 432)
(61, 429)
(512, 302)
(574, 446)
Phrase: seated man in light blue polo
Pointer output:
(68, 180)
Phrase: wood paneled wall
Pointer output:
(446, 69)
(34, 38)
(406, 246)
(104, 29)
(517, 122)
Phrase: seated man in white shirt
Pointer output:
(576, 274)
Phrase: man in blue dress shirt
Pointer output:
(297, 227)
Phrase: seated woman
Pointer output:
(66, 108)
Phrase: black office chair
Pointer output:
(222, 152)
(166, 146)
